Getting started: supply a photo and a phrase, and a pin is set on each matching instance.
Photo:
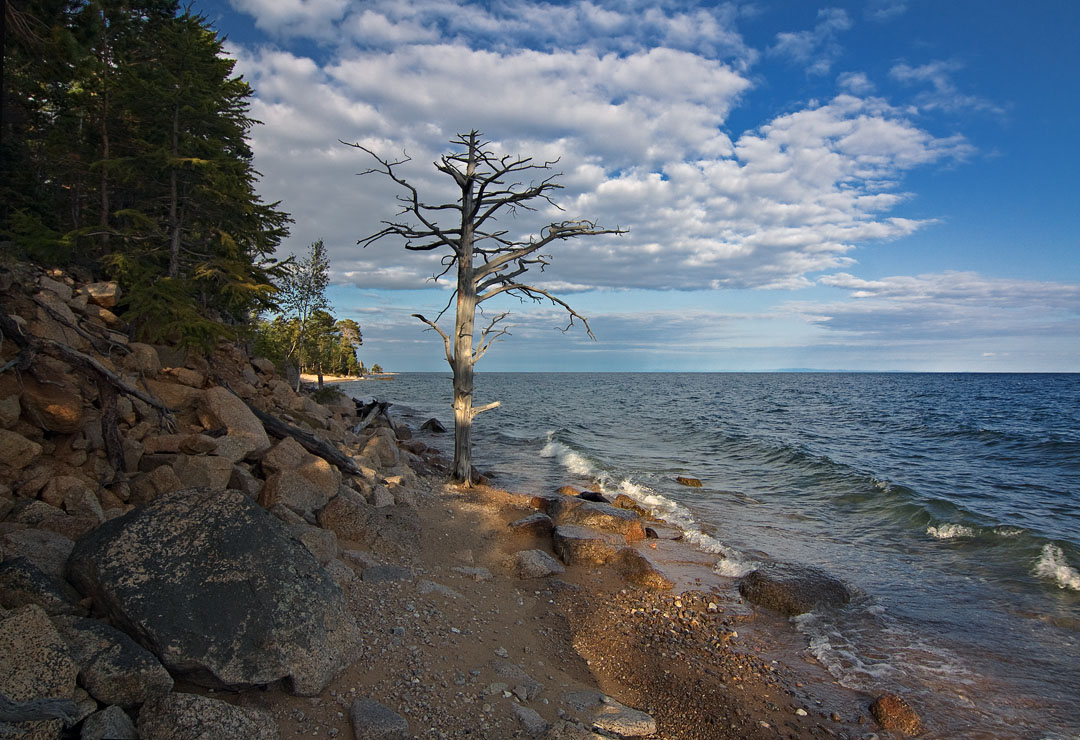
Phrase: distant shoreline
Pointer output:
(310, 378)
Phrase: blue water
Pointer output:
(950, 502)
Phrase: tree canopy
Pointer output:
(124, 153)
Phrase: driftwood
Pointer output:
(307, 440)
(370, 412)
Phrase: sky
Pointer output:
(885, 185)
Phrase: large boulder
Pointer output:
(793, 589)
(47, 550)
(385, 528)
(194, 717)
(218, 589)
(604, 517)
(576, 545)
(297, 479)
(246, 434)
(23, 583)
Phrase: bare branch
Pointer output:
(537, 295)
(486, 407)
(445, 338)
(490, 335)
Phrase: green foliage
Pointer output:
(124, 150)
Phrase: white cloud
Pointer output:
(944, 94)
(881, 11)
(856, 83)
(817, 48)
(951, 306)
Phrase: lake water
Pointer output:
(950, 502)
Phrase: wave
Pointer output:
(1053, 566)
(732, 563)
(950, 531)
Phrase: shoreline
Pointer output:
(334, 379)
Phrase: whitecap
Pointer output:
(569, 458)
(732, 563)
(950, 531)
(1053, 566)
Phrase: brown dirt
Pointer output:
(430, 651)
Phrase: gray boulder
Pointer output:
(193, 717)
(374, 721)
(23, 583)
(47, 550)
(111, 723)
(113, 667)
(793, 589)
(536, 564)
(220, 591)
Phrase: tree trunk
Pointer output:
(174, 198)
(463, 336)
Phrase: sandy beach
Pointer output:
(462, 647)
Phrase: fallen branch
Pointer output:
(371, 412)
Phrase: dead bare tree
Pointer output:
(489, 261)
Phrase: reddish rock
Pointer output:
(893, 713)
(538, 524)
(16, 450)
(638, 569)
(104, 294)
(57, 407)
(688, 481)
(574, 545)
(603, 517)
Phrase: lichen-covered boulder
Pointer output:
(218, 589)
(34, 665)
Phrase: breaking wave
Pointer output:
(1053, 566)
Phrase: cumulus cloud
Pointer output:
(817, 48)
(637, 123)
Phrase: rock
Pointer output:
(191, 717)
(538, 525)
(112, 666)
(569, 491)
(893, 713)
(793, 589)
(322, 543)
(47, 550)
(111, 723)
(531, 722)
(22, 583)
(563, 730)
(381, 451)
(609, 716)
(525, 686)
(10, 410)
(263, 365)
(638, 569)
(62, 290)
(197, 444)
(186, 376)
(57, 407)
(219, 591)
(374, 721)
(244, 481)
(203, 471)
(297, 479)
(34, 664)
(158, 482)
(342, 574)
(381, 496)
(477, 573)
(351, 518)
(604, 517)
(688, 481)
(16, 450)
(177, 397)
(575, 545)
(104, 294)
(623, 501)
(387, 573)
(433, 425)
(143, 359)
(536, 564)
(246, 433)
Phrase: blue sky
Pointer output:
(882, 185)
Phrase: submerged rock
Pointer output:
(793, 589)
(893, 713)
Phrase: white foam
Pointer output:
(950, 531)
(1053, 566)
(573, 461)
(1008, 531)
